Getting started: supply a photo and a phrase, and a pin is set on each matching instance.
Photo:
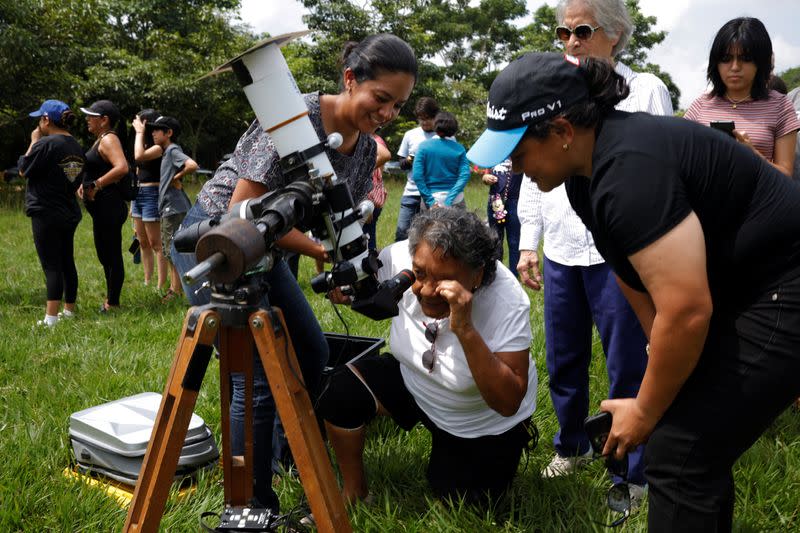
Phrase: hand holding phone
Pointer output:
(597, 428)
(726, 126)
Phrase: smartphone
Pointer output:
(597, 428)
(726, 126)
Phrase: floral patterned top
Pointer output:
(256, 159)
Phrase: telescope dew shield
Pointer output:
(278, 104)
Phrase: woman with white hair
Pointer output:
(581, 288)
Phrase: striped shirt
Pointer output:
(566, 240)
(763, 120)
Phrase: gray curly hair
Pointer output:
(460, 235)
(611, 15)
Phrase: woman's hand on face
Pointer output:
(460, 301)
(630, 427)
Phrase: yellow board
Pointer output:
(119, 491)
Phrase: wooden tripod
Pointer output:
(238, 326)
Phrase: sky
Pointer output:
(690, 26)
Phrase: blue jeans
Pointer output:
(409, 207)
(511, 230)
(574, 296)
(309, 344)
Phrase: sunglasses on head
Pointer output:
(583, 32)
(429, 356)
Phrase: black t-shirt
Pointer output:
(649, 173)
(54, 169)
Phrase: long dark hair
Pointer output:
(606, 90)
(750, 36)
(378, 54)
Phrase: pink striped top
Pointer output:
(764, 120)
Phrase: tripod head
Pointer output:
(231, 246)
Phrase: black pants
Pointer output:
(53, 239)
(747, 375)
(108, 215)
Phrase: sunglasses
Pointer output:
(618, 498)
(583, 32)
(429, 356)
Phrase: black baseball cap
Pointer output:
(165, 123)
(533, 88)
(102, 108)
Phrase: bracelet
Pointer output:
(647, 349)
(97, 185)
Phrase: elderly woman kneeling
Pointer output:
(460, 366)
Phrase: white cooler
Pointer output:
(111, 439)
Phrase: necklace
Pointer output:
(735, 103)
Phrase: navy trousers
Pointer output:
(574, 298)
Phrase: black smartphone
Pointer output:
(134, 247)
(726, 126)
(597, 428)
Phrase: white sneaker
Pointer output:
(638, 494)
(560, 466)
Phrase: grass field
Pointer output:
(47, 375)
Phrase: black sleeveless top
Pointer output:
(96, 167)
(149, 171)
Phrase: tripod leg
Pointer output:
(177, 404)
(294, 406)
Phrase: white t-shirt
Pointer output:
(409, 145)
(449, 394)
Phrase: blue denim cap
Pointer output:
(52, 109)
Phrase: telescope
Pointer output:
(242, 241)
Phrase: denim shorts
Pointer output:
(145, 206)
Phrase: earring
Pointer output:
(565, 147)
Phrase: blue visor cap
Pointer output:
(494, 146)
(52, 109)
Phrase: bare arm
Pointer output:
(682, 300)
(784, 153)
(383, 155)
(189, 166)
(111, 150)
(501, 377)
(140, 153)
(642, 305)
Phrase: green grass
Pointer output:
(47, 375)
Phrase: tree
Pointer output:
(540, 36)
(791, 77)
(138, 53)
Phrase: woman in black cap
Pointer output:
(105, 166)
(684, 214)
(53, 166)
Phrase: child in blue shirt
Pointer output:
(441, 169)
